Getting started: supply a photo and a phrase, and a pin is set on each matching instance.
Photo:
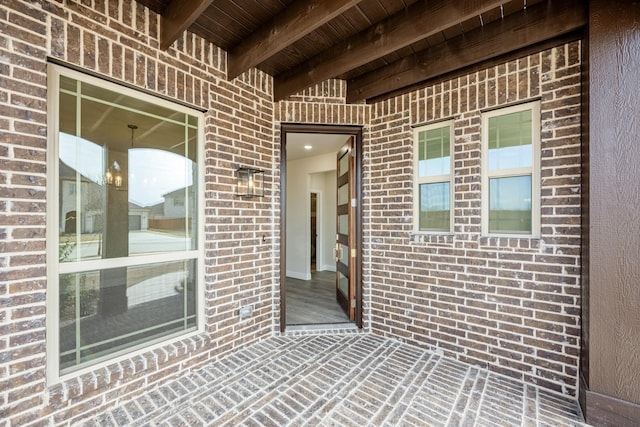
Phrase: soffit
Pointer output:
(369, 43)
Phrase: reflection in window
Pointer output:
(160, 200)
(434, 152)
(99, 316)
(510, 205)
(511, 141)
(433, 177)
(128, 183)
(435, 207)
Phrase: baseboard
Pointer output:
(329, 267)
(298, 275)
(602, 410)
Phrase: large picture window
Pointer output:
(124, 220)
(432, 174)
(510, 196)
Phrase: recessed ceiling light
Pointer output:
(308, 147)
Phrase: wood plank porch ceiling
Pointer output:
(381, 47)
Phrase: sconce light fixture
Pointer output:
(249, 182)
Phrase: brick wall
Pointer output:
(508, 304)
(324, 103)
(119, 39)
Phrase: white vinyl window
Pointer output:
(511, 171)
(432, 177)
(124, 261)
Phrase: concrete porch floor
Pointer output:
(342, 380)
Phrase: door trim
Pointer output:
(355, 131)
(319, 230)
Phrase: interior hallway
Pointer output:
(314, 301)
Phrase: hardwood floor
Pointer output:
(313, 301)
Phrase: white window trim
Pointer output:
(54, 268)
(417, 180)
(534, 170)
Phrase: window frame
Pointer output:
(418, 180)
(533, 170)
(55, 268)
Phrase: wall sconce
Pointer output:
(250, 182)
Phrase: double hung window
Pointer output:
(124, 219)
(432, 186)
(510, 196)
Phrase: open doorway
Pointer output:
(321, 226)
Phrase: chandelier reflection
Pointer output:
(114, 175)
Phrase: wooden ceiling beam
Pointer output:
(417, 22)
(177, 17)
(293, 23)
(479, 66)
(536, 24)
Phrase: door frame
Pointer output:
(355, 131)
(319, 228)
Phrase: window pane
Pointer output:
(434, 152)
(161, 211)
(435, 212)
(343, 224)
(102, 312)
(343, 194)
(343, 164)
(510, 205)
(133, 165)
(82, 200)
(343, 285)
(510, 141)
(344, 254)
(127, 185)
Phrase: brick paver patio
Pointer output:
(343, 380)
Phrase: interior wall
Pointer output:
(322, 183)
(326, 183)
(299, 185)
(329, 214)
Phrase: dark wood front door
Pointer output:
(351, 267)
(345, 229)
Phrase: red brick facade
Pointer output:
(511, 305)
(119, 39)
